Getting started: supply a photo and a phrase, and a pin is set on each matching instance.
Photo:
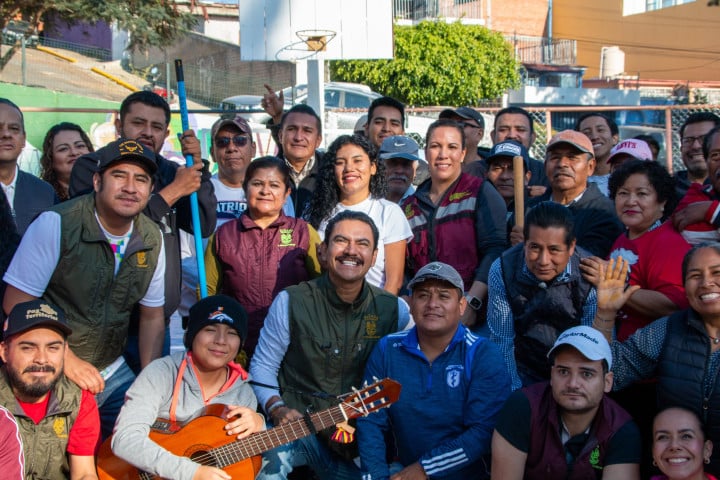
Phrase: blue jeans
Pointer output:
(112, 398)
(277, 463)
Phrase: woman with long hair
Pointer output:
(64, 143)
(352, 179)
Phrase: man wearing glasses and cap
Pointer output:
(400, 155)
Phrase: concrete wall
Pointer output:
(677, 43)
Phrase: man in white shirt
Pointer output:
(96, 256)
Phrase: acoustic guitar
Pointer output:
(203, 439)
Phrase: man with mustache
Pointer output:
(569, 161)
(568, 427)
(315, 342)
(96, 256)
(145, 118)
(400, 155)
(58, 422)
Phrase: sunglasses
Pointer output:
(237, 140)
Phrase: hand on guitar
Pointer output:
(284, 414)
(243, 421)
(210, 473)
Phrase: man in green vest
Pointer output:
(96, 256)
(58, 422)
(314, 345)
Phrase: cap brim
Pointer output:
(430, 276)
(144, 162)
(406, 156)
(572, 144)
(52, 324)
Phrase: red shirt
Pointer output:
(84, 437)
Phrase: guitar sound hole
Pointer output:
(203, 457)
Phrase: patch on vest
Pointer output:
(595, 458)
(286, 237)
(408, 211)
(453, 375)
(141, 260)
(60, 428)
(458, 196)
(371, 325)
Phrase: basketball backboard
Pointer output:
(291, 30)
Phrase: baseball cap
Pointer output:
(464, 112)
(237, 122)
(35, 313)
(216, 309)
(399, 146)
(509, 148)
(438, 271)
(586, 340)
(638, 149)
(571, 137)
(126, 150)
(360, 124)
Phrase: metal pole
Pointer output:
(23, 62)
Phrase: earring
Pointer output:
(654, 463)
(707, 460)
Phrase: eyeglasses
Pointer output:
(237, 140)
(465, 124)
(687, 141)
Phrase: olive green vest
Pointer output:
(96, 302)
(45, 444)
(331, 340)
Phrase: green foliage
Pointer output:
(438, 63)
(151, 23)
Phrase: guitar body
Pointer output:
(193, 440)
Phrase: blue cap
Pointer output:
(509, 148)
(399, 146)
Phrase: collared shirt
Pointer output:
(10, 190)
(500, 316)
(304, 172)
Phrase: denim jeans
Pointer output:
(277, 463)
(112, 398)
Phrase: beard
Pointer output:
(37, 387)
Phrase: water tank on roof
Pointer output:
(612, 62)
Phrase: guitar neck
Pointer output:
(260, 442)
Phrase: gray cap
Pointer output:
(464, 112)
(399, 146)
(438, 271)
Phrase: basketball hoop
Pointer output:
(311, 42)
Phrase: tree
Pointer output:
(438, 63)
(149, 22)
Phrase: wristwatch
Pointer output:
(474, 302)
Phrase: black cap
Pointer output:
(464, 112)
(216, 309)
(125, 150)
(33, 314)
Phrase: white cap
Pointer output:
(586, 340)
(638, 149)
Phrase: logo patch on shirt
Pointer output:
(453, 375)
(371, 326)
(59, 427)
(141, 260)
(286, 237)
(595, 458)
(458, 196)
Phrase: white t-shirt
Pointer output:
(391, 224)
(36, 258)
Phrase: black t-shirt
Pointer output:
(513, 423)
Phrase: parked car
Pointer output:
(338, 95)
(15, 30)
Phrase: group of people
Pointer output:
(530, 343)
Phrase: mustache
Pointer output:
(402, 178)
(40, 368)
